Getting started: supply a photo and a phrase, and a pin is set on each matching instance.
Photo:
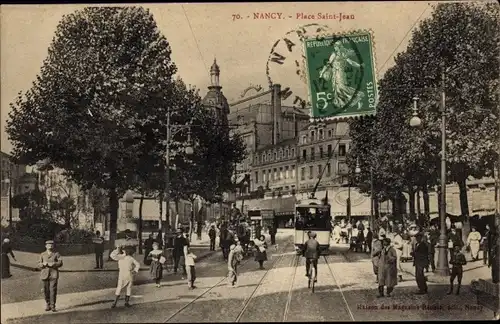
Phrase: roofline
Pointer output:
(252, 97)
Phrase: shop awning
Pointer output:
(280, 205)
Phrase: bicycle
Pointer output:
(312, 277)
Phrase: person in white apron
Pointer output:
(127, 267)
(473, 242)
(398, 246)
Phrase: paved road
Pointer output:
(25, 285)
(346, 291)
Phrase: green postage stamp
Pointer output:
(341, 75)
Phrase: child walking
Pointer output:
(457, 262)
(234, 259)
(127, 267)
(156, 268)
(191, 272)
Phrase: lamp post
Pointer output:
(442, 264)
(172, 130)
(372, 220)
(357, 170)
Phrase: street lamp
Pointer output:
(442, 264)
(357, 170)
(172, 130)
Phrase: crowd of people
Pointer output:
(388, 250)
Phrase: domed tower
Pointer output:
(215, 99)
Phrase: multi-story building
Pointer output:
(321, 153)
(263, 122)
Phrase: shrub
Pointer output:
(74, 236)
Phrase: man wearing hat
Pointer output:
(420, 261)
(180, 243)
(375, 250)
(49, 263)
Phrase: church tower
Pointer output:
(215, 99)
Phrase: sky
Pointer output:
(199, 32)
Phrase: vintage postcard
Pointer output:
(250, 162)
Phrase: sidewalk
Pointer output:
(86, 263)
(472, 271)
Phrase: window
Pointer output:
(281, 154)
(256, 160)
(312, 153)
(319, 170)
(321, 151)
(312, 135)
(263, 175)
(268, 157)
(342, 150)
(304, 139)
(286, 172)
(329, 149)
(263, 158)
(328, 169)
(311, 172)
(287, 153)
(275, 156)
(320, 134)
(302, 173)
(280, 175)
(304, 154)
(293, 172)
(293, 152)
(329, 133)
(256, 176)
(275, 174)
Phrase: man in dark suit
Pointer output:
(420, 261)
(50, 262)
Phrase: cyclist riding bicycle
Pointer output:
(311, 253)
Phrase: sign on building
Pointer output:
(341, 75)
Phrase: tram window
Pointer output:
(313, 218)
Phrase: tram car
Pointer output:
(312, 215)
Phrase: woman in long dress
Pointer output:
(387, 269)
(261, 251)
(156, 268)
(473, 242)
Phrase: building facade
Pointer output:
(322, 151)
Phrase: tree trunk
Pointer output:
(113, 219)
(411, 194)
(425, 195)
(176, 213)
(160, 197)
(464, 202)
(376, 207)
(420, 219)
(141, 203)
(191, 219)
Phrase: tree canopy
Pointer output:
(98, 107)
(463, 40)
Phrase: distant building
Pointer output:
(12, 171)
(322, 151)
(263, 123)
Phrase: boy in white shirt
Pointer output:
(127, 267)
(191, 273)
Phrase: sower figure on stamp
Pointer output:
(50, 262)
(420, 261)
(457, 262)
(127, 267)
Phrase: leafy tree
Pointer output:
(31, 205)
(463, 38)
(86, 109)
